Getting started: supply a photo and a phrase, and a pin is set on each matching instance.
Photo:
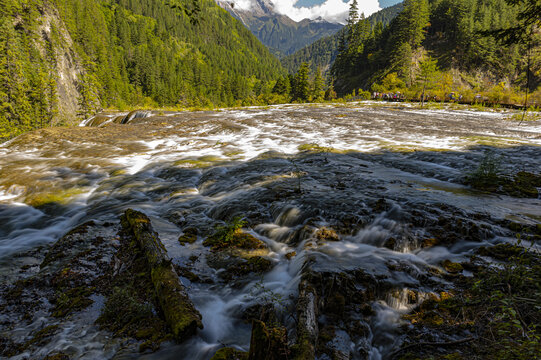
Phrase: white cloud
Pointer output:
(330, 10)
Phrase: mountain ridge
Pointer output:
(279, 32)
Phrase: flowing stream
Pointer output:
(384, 177)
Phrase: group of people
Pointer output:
(397, 96)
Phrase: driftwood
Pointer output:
(447, 343)
(179, 312)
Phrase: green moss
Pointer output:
(62, 197)
(229, 353)
(179, 312)
(122, 308)
(231, 236)
(188, 237)
(498, 303)
(72, 300)
(303, 349)
(500, 251)
(524, 184)
(452, 267)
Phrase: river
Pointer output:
(384, 177)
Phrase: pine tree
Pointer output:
(282, 86)
(427, 76)
(318, 92)
(300, 89)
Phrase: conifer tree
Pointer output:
(300, 89)
(318, 92)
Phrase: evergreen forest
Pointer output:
(122, 54)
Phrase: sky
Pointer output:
(330, 10)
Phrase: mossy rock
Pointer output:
(524, 184)
(189, 236)
(430, 242)
(256, 264)
(238, 239)
(452, 267)
(60, 197)
(229, 353)
(72, 300)
(500, 251)
(327, 234)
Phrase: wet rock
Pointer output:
(429, 242)
(98, 120)
(522, 184)
(256, 264)
(57, 356)
(291, 255)
(381, 205)
(326, 234)
(179, 312)
(452, 267)
(229, 353)
(136, 114)
(500, 251)
(189, 236)
(231, 236)
(268, 342)
(390, 243)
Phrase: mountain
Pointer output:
(281, 34)
(322, 52)
(60, 59)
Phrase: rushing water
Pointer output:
(199, 168)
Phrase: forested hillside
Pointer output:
(321, 53)
(443, 45)
(65, 58)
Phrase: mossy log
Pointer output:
(179, 312)
(307, 327)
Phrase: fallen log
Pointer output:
(178, 310)
(307, 327)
